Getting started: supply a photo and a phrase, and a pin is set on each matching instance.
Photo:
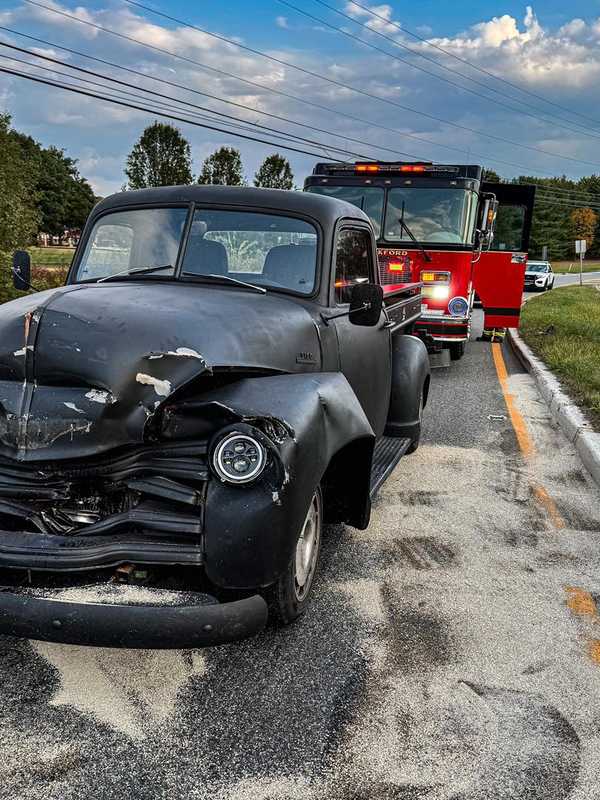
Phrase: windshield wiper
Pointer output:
(404, 225)
(226, 279)
(136, 271)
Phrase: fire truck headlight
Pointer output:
(440, 292)
(458, 307)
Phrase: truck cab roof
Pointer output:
(324, 210)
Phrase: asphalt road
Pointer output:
(452, 650)
(566, 280)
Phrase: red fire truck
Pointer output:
(442, 226)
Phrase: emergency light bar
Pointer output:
(400, 168)
(392, 168)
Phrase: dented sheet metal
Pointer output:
(78, 378)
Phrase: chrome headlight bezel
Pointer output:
(226, 451)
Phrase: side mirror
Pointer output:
(21, 269)
(366, 304)
(488, 222)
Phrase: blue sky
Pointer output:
(551, 51)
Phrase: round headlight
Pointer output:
(458, 307)
(239, 458)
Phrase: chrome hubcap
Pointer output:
(307, 549)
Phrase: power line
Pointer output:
(193, 90)
(559, 203)
(234, 119)
(416, 111)
(548, 119)
(136, 107)
(280, 92)
(226, 74)
(483, 157)
(470, 64)
(566, 192)
(158, 106)
(573, 198)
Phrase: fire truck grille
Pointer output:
(388, 277)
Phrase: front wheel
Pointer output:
(457, 350)
(289, 596)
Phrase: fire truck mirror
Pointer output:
(488, 222)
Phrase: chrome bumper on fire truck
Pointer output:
(444, 328)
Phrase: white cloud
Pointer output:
(573, 29)
(378, 18)
(282, 22)
(563, 64)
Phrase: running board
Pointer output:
(388, 452)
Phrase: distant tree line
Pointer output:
(41, 190)
(162, 157)
(561, 217)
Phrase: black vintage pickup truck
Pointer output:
(218, 378)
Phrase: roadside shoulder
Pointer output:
(564, 412)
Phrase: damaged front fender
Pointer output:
(251, 531)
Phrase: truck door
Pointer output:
(499, 274)
(365, 352)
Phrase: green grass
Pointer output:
(51, 256)
(562, 267)
(562, 327)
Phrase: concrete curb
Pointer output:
(563, 410)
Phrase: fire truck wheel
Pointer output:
(457, 350)
(290, 595)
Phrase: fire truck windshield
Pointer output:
(441, 215)
(368, 198)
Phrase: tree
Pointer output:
(18, 213)
(161, 157)
(274, 173)
(64, 198)
(80, 201)
(491, 176)
(584, 222)
(223, 168)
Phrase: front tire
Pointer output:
(457, 351)
(289, 597)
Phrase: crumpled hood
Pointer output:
(83, 368)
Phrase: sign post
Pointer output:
(580, 247)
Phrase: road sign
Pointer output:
(580, 247)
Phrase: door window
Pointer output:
(352, 262)
(508, 231)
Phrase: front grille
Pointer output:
(149, 488)
(387, 276)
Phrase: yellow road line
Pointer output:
(526, 443)
(583, 604)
